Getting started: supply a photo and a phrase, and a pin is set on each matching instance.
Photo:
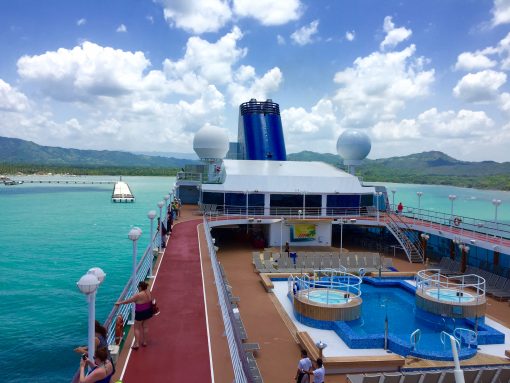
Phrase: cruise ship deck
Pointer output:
(187, 341)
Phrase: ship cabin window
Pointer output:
(235, 203)
(256, 204)
(286, 204)
(366, 200)
(212, 198)
(339, 204)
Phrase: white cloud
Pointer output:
(378, 86)
(269, 12)
(197, 16)
(11, 100)
(474, 61)
(464, 123)
(81, 22)
(304, 35)
(480, 87)
(350, 35)
(253, 87)
(394, 35)
(501, 12)
(211, 61)
(85, 71)
(121, 28)
(280, 40)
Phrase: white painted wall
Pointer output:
(324, 235)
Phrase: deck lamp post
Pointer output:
(151, 215)
(452, 197)
(496, 203)
(393, 198)
(134, 234)
(160, 205)
(424, 239)
(88, 285)
(166, 198)
(419, 194)
(321, 346)
(464, 250)
(299, 213)
(378, 194)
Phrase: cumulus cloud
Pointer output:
(269, 12)
(85, 71)
(196, 16)
(350, 35)
(464, 123)
(11, 100)
(501, 12)
(394, 36)
(480, 87)
(469, 61)
(81, 22)
(378, 86)
(121, 28)
(304, 35)
(248, 87)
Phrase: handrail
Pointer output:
(433, 278)
(471, 338)
(242, 372)
(444, 334)
(142, 270)
(415, 338)
(335, 279)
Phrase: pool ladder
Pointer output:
(415, 338)
(470, 336)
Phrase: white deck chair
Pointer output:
(411, 378)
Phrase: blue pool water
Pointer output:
(450, 295)
(328, 296)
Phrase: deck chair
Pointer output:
(371, 378)
(470, 375)
(448, 377)
(335, 262)
(431, 377)
(392, 377)
(503, 375)
(487, 374)
(363, 378)
(411, 377)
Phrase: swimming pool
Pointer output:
(328, 296)
(450, 295)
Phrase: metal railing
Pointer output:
(457, 223)
(328, 279)
(431, 279)
(242, 372)
(142, 270)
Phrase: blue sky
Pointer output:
(146, 75)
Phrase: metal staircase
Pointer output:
(407, 237)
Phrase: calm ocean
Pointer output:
(50, 235)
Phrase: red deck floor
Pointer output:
(178, 348)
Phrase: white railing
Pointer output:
(238, 357)
(142, 270)
(328, 279)
(433, 279)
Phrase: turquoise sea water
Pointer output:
(50, 235)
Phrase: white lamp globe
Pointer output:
(166, 198)
(151, 214)
(88, 283)
(135, 233)
(98, 272)
(161, 204)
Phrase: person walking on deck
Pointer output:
(304, 366)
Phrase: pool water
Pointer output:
(398, 306)
(328, 296)
(450, 295)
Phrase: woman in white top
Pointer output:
(319, 373)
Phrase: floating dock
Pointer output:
(122, 193)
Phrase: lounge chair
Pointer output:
(470, 375)
(431, 377)
(392, 377)
(487, 374)
(412, 377)
(503, 375)
(364, 378)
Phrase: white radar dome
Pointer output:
(353, 145)
(211, 142)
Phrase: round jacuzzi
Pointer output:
(328, 296)
(450, 295)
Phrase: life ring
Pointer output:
(457, 221)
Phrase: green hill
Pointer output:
(16, 151)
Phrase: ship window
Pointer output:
(235, 199)
(343, 200)
(367, 200)
(212, 198)
(313, 200)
